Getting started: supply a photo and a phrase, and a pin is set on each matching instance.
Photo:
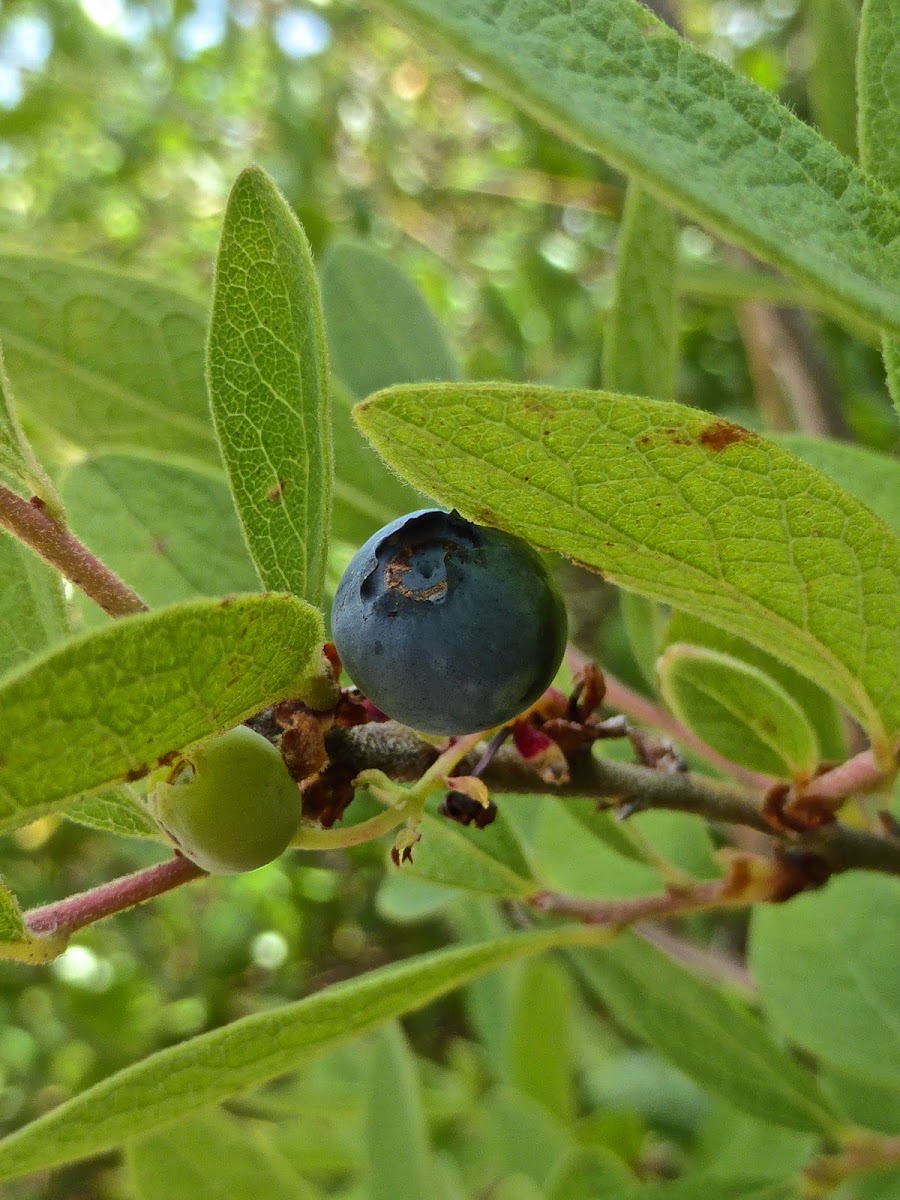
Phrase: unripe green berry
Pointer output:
(237, 810)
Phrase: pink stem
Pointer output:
(32, 523)
(65, 916)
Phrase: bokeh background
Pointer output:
(122, 127)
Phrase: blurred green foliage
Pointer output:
(122, 127)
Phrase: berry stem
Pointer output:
(308, 838)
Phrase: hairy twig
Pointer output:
(73, 913)
(32, 523)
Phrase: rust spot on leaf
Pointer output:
(721, 434)
(276, 492)
(160, 545)
(136, 773)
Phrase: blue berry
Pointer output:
(447, 626)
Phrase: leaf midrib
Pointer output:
(86, 375)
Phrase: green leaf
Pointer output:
(119, 812)
(872, 477)
(211, 1157)
(878, 70)
(32, 608)
(865, 1101)
(644, 622)
(640, 341)
(381, 330)
(719, 1043)
(677, 505)
(879, 91)
(891, 351)
(722, 1187)
(112, 703)
(540, 1064)
(396, 1135)
(681, 838)
(593, 867)
(517, 1187)
(366, 494)
(168, 530)
(829, 975)
(105, 360)
(489, 861)
(833, 27)
(730, 1140)
(268, 384)
(820, 710)
(183, 1079)
(739, 710)
(523, 1136)
(594, 1174)
(612, 77)
(604, 825)
(17, 459)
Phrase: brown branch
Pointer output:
(675, 902)
(643, 710)
(73, 913)
(400, 753)
(32, 523)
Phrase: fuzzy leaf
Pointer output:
(872, 477)
(168, 530)
(211, 1157)
(32, 608)
(268, 384)
(819, 708)
(716, 146)
(829, 975)
(677, 505)
(834, 26)
(396, 1134)
(107, 706)
(739, 710)
(105, 359)
(183, 1079)
(119, 812)
(719, 1043)
(878, 70)
(640, 340)
(487, 860)
(17, 459)
(381, 330)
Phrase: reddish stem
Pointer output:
(32, 523)
(858, 774)
(66, 916)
